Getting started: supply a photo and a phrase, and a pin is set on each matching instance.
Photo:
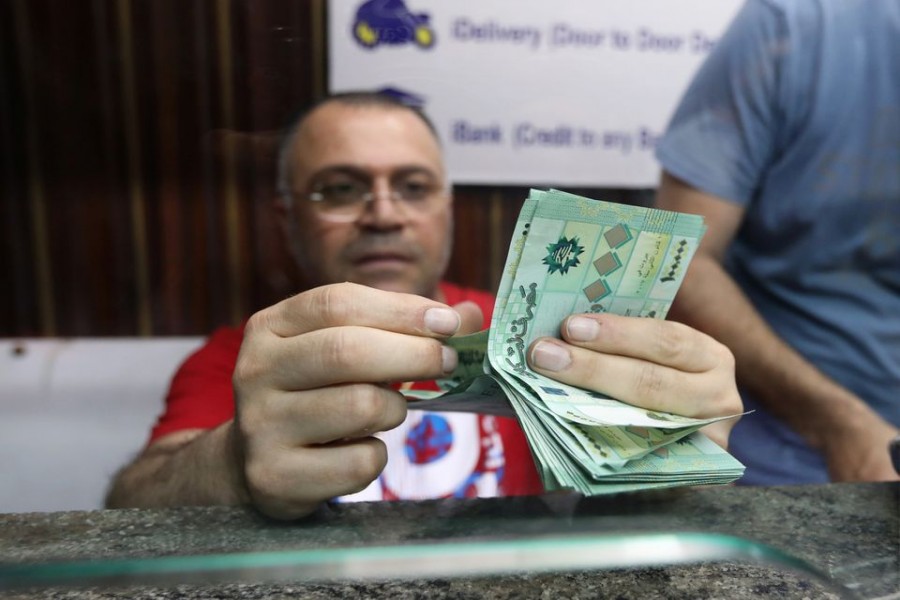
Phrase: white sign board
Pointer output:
(568, 92)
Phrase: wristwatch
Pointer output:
(894, 448)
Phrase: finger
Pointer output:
(346, 355)
(631, 380)
(287, 485)
(470, 316)
(329, 414)
(352, 304)
(662, 342)
(720, 431)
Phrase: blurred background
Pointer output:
(136, 175)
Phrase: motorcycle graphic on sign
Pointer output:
(391, 22)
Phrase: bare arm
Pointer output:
(191, 467)
(852, 437)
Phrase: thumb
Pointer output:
(471, 319)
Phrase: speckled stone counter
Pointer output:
(849, 532)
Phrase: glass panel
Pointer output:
(472, 559)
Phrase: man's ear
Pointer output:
(281, 206)
(281, 215)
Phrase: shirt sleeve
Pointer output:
(723, 133)
(201, 395)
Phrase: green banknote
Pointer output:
(570, 255)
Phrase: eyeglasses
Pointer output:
(346, 199)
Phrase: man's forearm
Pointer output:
(193, 468)
(779, 378)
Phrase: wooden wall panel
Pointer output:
(137, 164)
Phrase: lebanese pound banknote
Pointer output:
(570, 255)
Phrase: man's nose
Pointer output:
(383, 210)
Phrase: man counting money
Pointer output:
(292, 409)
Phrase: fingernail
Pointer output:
(449, 359)
(550, 357)
(443, 321)
(581, 329)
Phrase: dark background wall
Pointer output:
(136, 164)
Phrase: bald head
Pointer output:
(360, 99)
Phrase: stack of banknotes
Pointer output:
(569, 255)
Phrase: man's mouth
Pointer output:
(382, 260)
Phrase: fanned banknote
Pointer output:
(570, 255)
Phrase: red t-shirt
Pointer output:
(430, 455)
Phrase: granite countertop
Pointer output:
(848, 532)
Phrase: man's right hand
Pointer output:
(310, 392)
